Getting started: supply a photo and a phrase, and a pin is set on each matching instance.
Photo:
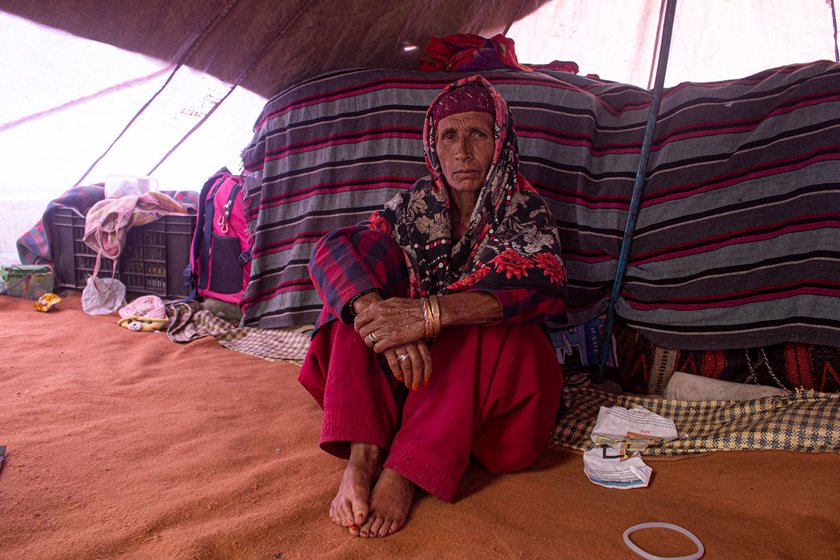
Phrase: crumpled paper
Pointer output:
(620, 435)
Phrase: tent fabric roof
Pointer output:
(275, 44)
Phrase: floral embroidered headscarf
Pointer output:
(511, 240)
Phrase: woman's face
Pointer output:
(464, 144)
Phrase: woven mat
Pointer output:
(801, 421)
(269, 344)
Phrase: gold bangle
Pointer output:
(435, 308)
(424, 305)
(431, 316)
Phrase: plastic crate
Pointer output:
(154, 260)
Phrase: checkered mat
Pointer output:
(801, 421)
(270, 344)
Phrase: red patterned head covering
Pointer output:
(471, 97)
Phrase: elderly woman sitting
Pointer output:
(438, 352)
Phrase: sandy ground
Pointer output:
(126, 445)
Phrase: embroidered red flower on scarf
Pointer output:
(470, 281)
(512, 264)
(379, 223)
(552, 267)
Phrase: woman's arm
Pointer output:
(469, 308)
(399, 321)
(398, 326)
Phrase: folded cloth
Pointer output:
(181, 328)
(188, 323)
(689, 387)
(145, 306)
(466, 52)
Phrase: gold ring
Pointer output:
(402, 357)
(372, 337)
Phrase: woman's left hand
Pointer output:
(411, 363)
(389, 323)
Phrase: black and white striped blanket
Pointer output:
(738, 239)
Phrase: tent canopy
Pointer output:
(276, 43)
(271, 45)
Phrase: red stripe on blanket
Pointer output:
(291, 286)
(585, 140)
(716, 128)
(769, 293)
(284, 244)
(371, 183)
(766, 169)
(434, 84)
(739, 237)
(329, 141)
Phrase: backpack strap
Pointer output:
(207, 233)
(204, 229)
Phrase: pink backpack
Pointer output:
(220, 259)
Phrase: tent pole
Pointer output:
(638, 188)
(834, 26)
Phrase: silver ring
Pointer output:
(372, 337)
(402, 357)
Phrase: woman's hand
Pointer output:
(389, 323)
(398, 329)
(395, 328)
(411, 363)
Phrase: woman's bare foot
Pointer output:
(389, 504)
(350, 506)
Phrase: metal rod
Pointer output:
(638, 188)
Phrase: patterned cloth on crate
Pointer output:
(188, 323)
(107, 222)
(799, 421)
(34, 246)
(511, 240)
(646, 368)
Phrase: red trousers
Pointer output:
(494, 394)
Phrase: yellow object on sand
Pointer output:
(47, 302)
(143, 324)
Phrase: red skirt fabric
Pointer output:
(494, 394)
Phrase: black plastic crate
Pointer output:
(153, 261)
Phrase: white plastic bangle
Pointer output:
(677, 528)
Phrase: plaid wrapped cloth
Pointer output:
(801, 421)
(274, 345)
